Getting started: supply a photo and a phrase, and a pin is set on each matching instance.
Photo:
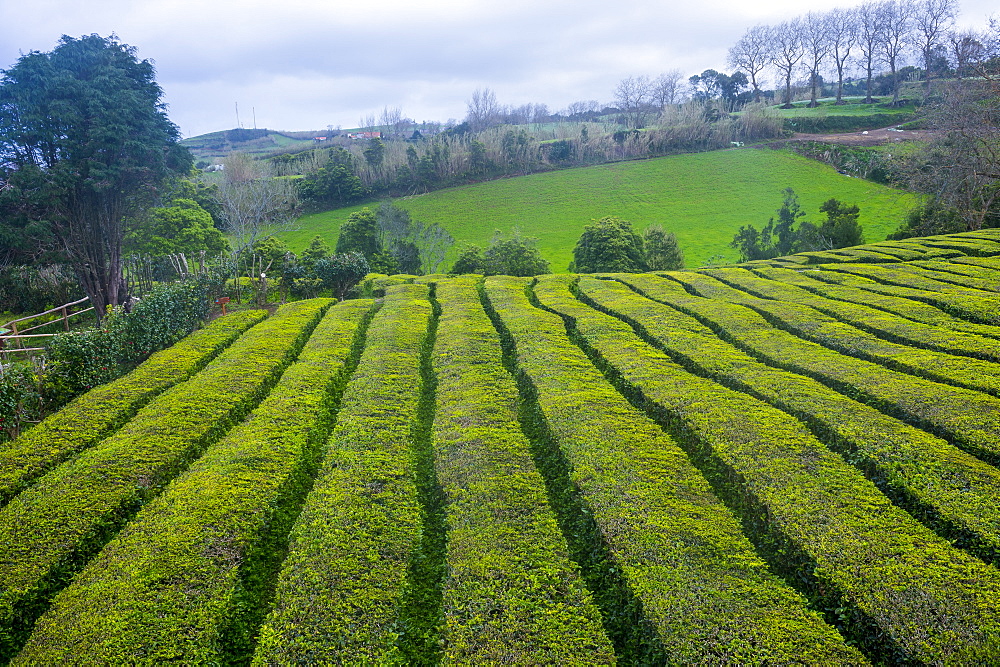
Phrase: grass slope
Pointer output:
(704, 198)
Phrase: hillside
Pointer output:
(703, 198)
(756, 464)
(215, 146)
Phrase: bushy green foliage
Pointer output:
(102, 410)
(513, 255)
(51, 529)
(20, 398)
(506, 552)
(781, 237)
(217, 529)
(182, 227)
(680, 547)
(80, 360)
(609, 244)
(662, 251)
(340, 589)
(38, 287)
(333, 185)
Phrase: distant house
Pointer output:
(320, 138)
(364, 135)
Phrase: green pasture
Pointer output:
(855, 107)
(703, 198)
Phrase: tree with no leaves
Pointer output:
(843, 35)
(895, 34)
(787, 52)
(666, 88)
(816, 40)
(869, 38)
(933, 20)
(752, 55)
(483, 110)
(632, 97)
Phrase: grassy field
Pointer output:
(704, 198)
(854, 107)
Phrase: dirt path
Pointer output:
(880, 137)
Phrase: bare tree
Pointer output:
(816, 40)
(933, 19)
(787, 52)
(367, 122)
(391, 119)
(483, 110)
(869, 38)
(843, 27)
(896, 23)
(632, 97)
(666, 88)
(752, 55)
(966, 50)
(254, 203)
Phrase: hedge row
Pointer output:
(51, 529)
(339, 591)
(899, 252)
(968, 305)
(680, 549)
(904, 307)
(811, 324)
(511, 595)
(869, 319)
(915, 278)
(980, 247)
(959, 269)
(104, 409)
(952, 491)
(982, 282)
(208, 531)
(900, 590)
(969, 418)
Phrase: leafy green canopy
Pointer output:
(780, 237)
(514, 256)
(609, 244)
(84, 144)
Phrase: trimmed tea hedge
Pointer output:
(925, 270)
(867, 562)
(511, 595)
(898, 305)
(967, 417)
(208, 531)
(952, 491)
(104, 409)
(52, 528)
(340, 589)
(682, 552)
(811, 324)
(977, 305)
(868, 319)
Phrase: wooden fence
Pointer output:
(14, 336)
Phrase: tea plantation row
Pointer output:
(780, 462)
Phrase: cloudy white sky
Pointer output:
(308, 64)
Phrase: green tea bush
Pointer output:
(218, 529)
(677, 546)
(869, 565)
(80, 360)
(511, 594)
(20, 398)
(102, 410)
(340, 591)
(52, 529)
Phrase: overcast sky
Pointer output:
(308, 64)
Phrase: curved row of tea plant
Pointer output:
(950, 490)
(511, 595)
(867, 563)
(811, 324)
(51, 529)
(340, 590)
(700, 586)
(968, 418)
(866, 318)
(104, 409)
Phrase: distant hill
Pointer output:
(214, 146)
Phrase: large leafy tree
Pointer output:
(609, 244)
(85, 143)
